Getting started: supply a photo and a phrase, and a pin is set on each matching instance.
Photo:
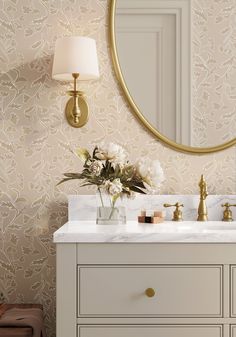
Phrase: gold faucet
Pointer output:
(177, 215)
(227, 214)
(202, 208)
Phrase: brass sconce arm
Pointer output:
(77, 110)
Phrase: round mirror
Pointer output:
(175, 61)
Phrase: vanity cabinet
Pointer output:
(233, 291)
(150, 331)
(102, 289)
(176, 291)
(233, 331)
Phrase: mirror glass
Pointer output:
(177, 59)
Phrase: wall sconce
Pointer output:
(75, 58)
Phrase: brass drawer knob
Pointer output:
(150, 292)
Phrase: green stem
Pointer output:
(113, 208)
(112, 205)
(101, 197)
(112, 211)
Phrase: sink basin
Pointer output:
(215, 226)
(195, 226)
(223, 227)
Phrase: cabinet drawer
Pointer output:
(151, 331)
(188, 291)
(233, 291)
(233, 330)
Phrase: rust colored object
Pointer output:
(4, 307)
(16, 331)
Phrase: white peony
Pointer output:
(114, 187)
(96, 167)
(151, 172)
(115, 153)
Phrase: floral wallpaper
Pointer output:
(214, 74)
(36, 141)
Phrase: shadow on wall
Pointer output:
(27, 93)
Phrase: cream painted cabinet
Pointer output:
(103, 290)
(233, 291)
(151, 331)
(121, 290)
(233, 331)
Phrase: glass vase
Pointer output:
(108, 213)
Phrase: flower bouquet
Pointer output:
(110, 171)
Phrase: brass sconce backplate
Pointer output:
(84, 112)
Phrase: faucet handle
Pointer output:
(177, 214)
(227, 214)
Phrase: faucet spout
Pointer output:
(202, 208)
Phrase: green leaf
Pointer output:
(136, 189)
(83, 154)
(73, 175)
(94, 152)
(114, 198)
(140, 184)
(64, 180)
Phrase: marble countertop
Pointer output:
(84, 207)
(168, 231)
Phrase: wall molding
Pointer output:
(182, 11)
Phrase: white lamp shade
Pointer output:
(75, 54)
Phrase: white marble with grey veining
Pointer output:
(82, 227)
(169, 231)
(83, 207)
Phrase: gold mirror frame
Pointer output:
(159, 136)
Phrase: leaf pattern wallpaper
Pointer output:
(36, 142)
(214, 71)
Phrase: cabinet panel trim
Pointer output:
(105, 315)
(174, 326)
